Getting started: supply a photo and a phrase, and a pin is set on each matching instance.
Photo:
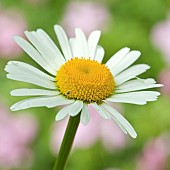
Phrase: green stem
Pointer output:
(67, 143)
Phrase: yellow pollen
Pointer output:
(85, 80)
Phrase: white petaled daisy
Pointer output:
(77, 78)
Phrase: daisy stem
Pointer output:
(67, 143)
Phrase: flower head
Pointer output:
(77, 78)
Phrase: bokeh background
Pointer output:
(30, 139)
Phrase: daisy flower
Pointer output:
(75, 77)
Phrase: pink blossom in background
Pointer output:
(161, 37)
(155, 154)
(16, 134)
(11, 24)
(97, 129)
(165, 80)
(86, 15)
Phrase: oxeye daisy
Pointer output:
(75, 77)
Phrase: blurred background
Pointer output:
(30, 139)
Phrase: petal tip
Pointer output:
(134, 136)
(13, 108)
(16, 38)
(56, 118)
(57, 26)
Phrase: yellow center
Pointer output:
(85, 80)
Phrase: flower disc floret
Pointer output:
(85, 80)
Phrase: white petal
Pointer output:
(60, 100)
(43, 50)
(81, 43)
(72, 109)
(75, 108)
(63, 41)
(21, 67)
(73, 46)
(128, 60)
(139, 84)
(41, 101)
(34, 54)
(32, 102)
(51, 49)
(99, 54)
(102, 112)
(33, 92)
(121, 121)
(85, 115)
(51, 45)
(33, 80)
(27, 73)
(117, 57)
(63, 112)
(130, 73)
(92, 43)
(140, 98)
